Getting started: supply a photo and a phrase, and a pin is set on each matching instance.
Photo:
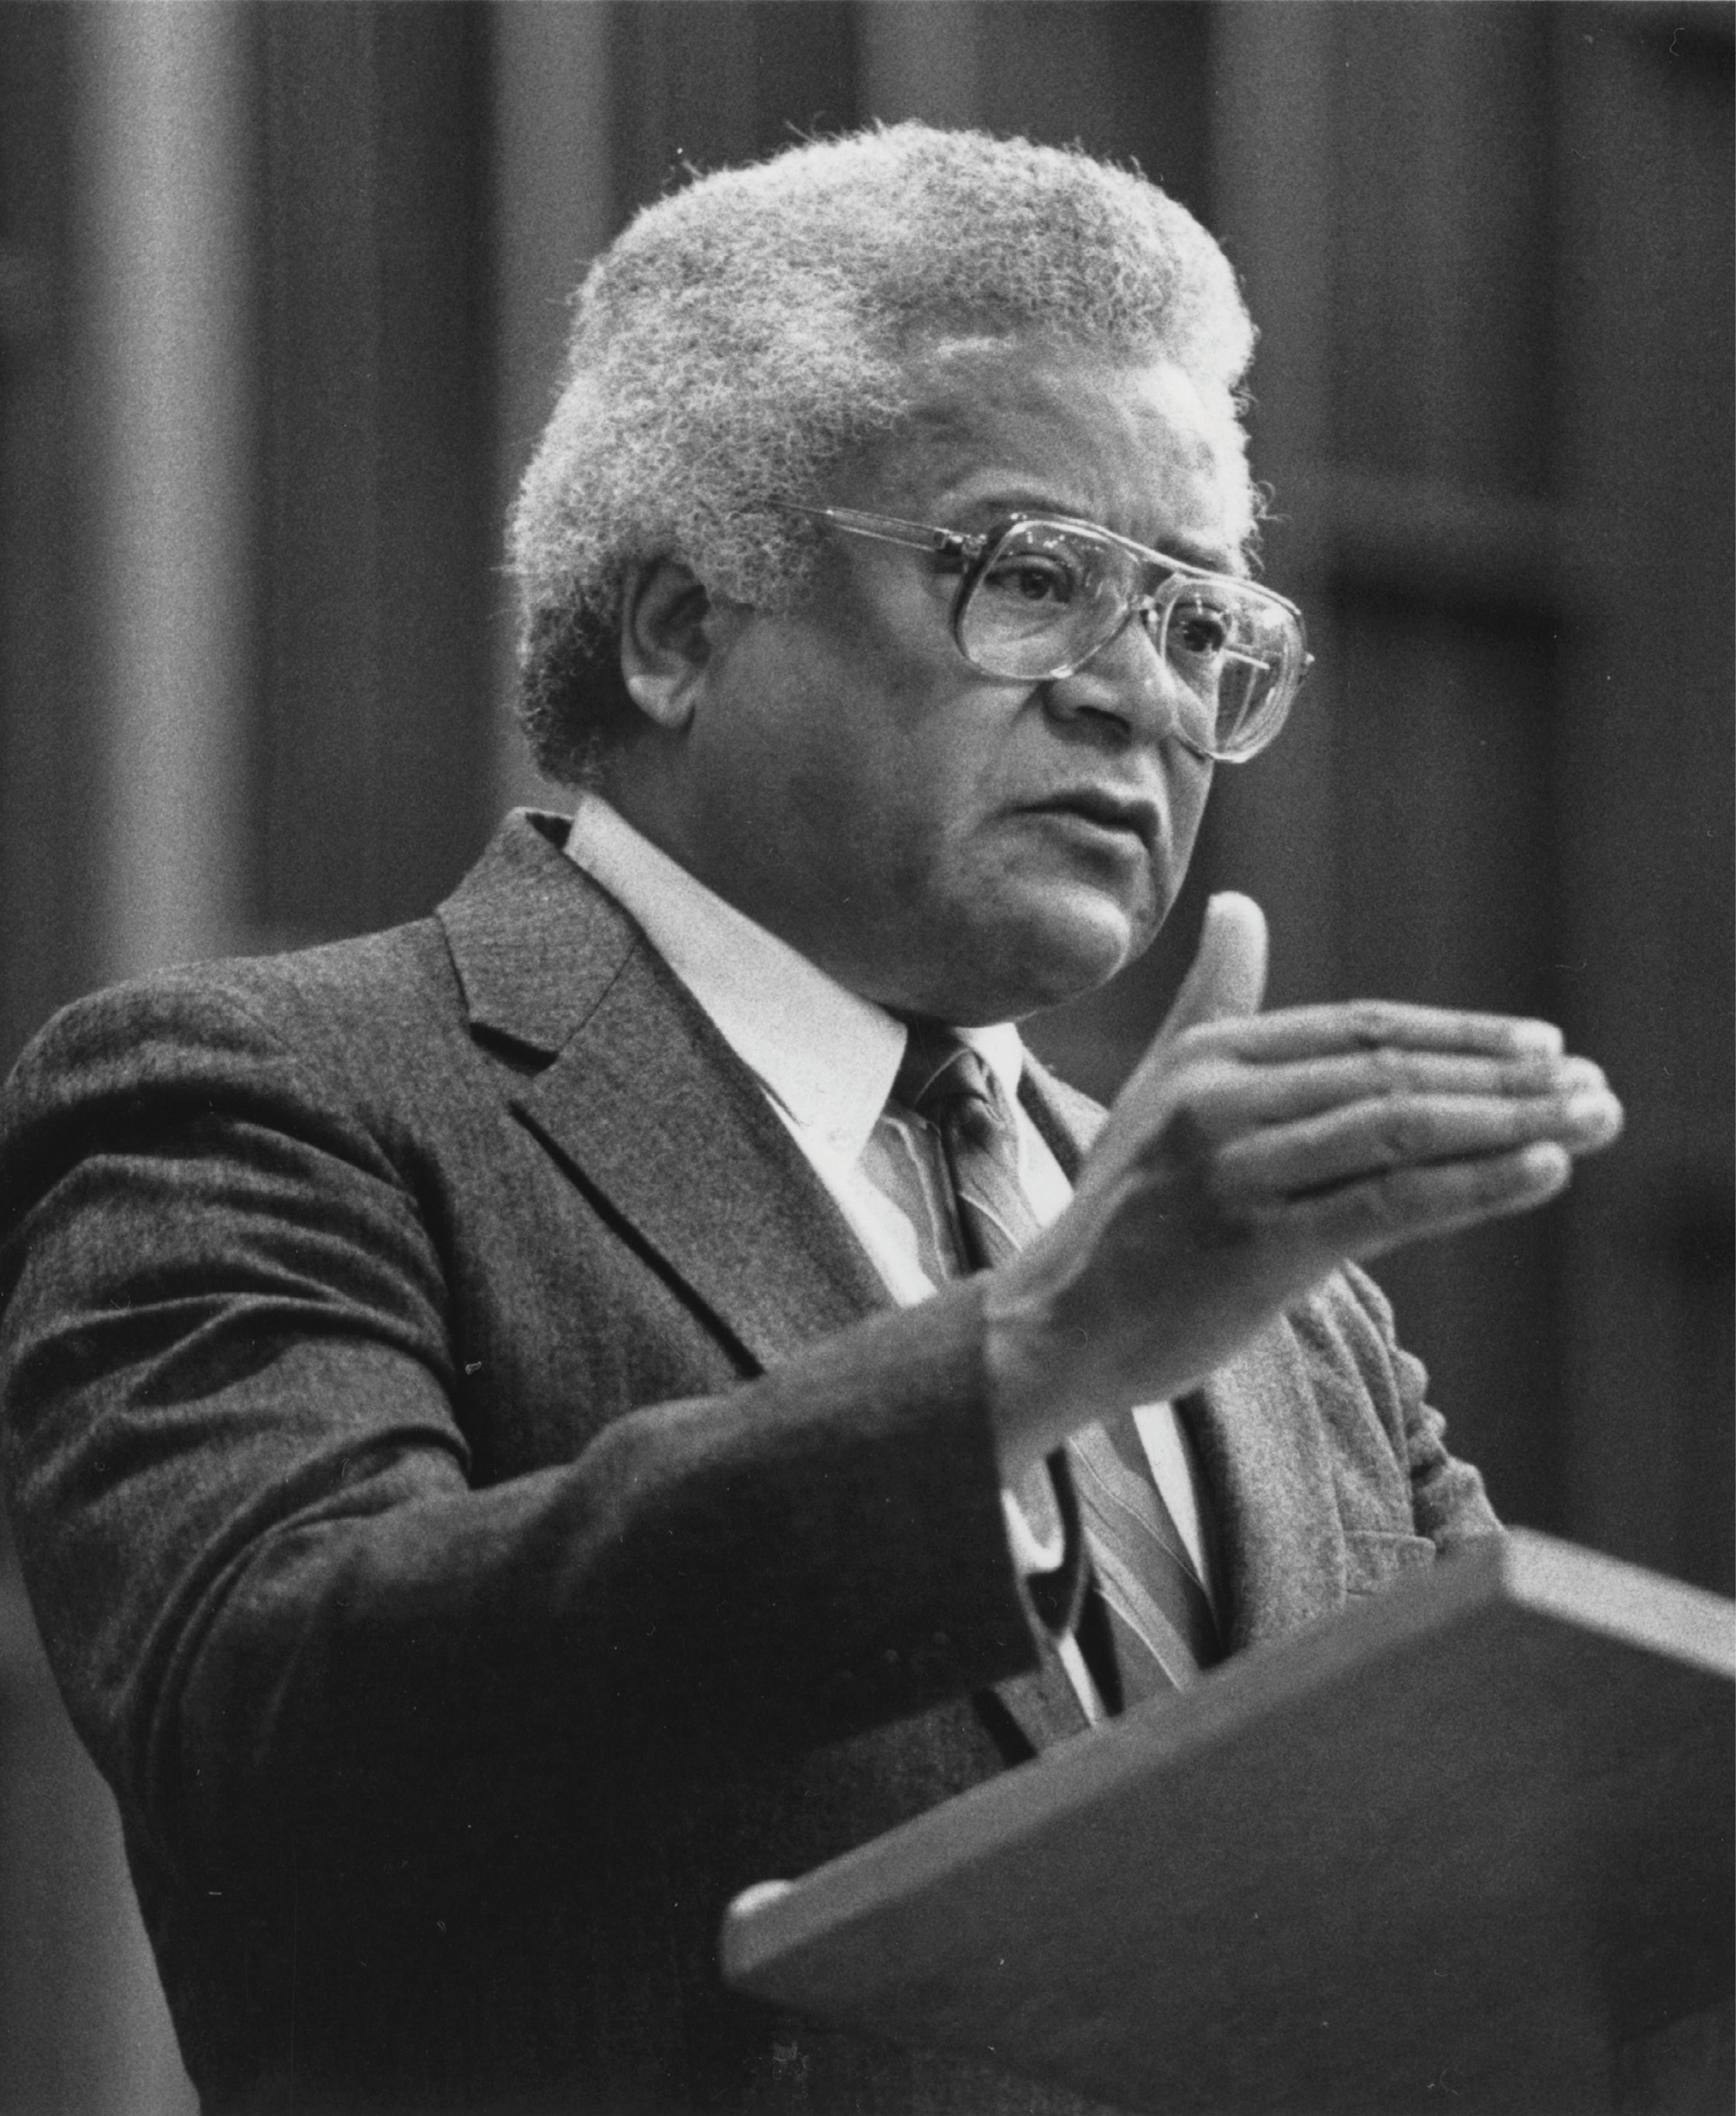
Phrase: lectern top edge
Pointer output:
(1622, 1600)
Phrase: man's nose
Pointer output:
(1128, 684)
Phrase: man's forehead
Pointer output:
(1037, 424)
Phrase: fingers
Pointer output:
(1362, 1219)
(1238, 1097)
(1364, 1047)
(1419, 1132)
(1373, 1024)
(1350, 1128)
(1227, 979)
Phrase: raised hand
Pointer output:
(1248, 1155)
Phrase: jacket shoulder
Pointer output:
(385, 991)
(336, 1045)
(357, 993)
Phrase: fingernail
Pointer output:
(1546, 1164)
(1591, 1110)
(1583, 1074)
(1537, 1035)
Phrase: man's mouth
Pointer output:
(1119, 814)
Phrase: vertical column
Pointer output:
(163, 131)
(554, 192)
(920, 58)
(373, 746)
(156, 580)
(49, 765)
(1643, 142)
(1273, 94)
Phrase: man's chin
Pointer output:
(1026, 968)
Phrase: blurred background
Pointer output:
(281, 304)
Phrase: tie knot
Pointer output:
(945, 1081)
(943, 1078)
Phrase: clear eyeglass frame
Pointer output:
(1163, 585)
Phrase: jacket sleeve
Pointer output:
(275, 1595)
(1448, 1502)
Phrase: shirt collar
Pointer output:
(826, 1055)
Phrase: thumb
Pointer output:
(1227, 979)
(1227, 975)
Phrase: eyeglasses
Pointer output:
(1041, 594)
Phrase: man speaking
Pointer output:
(520, 1426)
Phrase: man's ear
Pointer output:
(667, 625)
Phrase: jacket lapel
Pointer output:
(1262, 1444)
(645, 1104)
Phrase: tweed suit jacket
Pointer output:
(482, 1512)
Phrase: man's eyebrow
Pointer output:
(1214, 558)
(1022, 500)
(1015, 500)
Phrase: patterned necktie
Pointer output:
(1159, 1615)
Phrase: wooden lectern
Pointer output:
(1466, 1847)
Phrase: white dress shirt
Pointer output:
(827, 1060)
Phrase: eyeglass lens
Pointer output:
(1047, 597)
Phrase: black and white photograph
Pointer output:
(866, 1032)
